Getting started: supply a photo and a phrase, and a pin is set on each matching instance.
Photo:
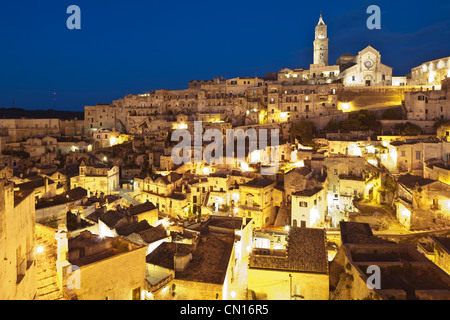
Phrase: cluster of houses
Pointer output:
(103, 206)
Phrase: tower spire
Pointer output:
(321, 22)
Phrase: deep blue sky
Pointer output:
(134, 46)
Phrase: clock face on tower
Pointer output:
(368, 63)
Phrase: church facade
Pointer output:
(364, 69)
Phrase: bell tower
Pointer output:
(321, 43)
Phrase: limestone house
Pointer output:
(422, 203)
(405, 274)
(256, 202)
(42, 187)
(297, 272)
(18, 279)
(90, 267)
(212, 268)
(57, 207)
(437, 249)
(143, 233)
(96, 178)
(308, 208)
(144, 211)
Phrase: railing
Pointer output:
(160, 284)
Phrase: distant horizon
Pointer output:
(142, 46)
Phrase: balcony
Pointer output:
(255, 207)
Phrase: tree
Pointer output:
(408, 129)
(390, 114)
(350, 125)
(332, 125)
(304, 131)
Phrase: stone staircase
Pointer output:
(46, 266)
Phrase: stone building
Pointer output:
(297, 272)
(212, 268)
(309, 208)
(346, 182)
(365, 69)
(369, 268)
(422, 203)
(18, 279)
(437, 249)
(97, 178)
(93, 268)
(256, 201)
(430, 72)
(429, 104)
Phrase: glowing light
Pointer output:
(345, 106)
(236, 210)
(287, 228)
(206, 171)
(431, 76)
(393, 154)
(113, 141)
(245, 167)
(283, 115)
(373, 162)
(40, 249)
(448, 73)
(105, 159)
(299, 164)
(314, 215)
(294, 156)
(181, 125)
(89, 147)
(405, 212)
(354, 150)
(370, 149)
(369, 186)
(219, 200)
(165, 289)
(233, 294)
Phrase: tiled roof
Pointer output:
(110, 218)
(305, 252)
(258, 183)
(133, 228)
(410, 181)
(140, 208)
(153, 234)
(307, 192)
(34, 184)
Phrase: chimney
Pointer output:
(61, 237)
(181, 261)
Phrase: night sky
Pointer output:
(135, 46)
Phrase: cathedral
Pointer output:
(364, 69)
